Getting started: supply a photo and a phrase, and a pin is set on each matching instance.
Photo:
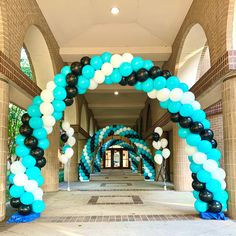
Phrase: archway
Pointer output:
(208, 178)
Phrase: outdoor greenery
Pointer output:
(25, 64)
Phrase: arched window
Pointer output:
(25, 63)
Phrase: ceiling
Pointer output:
(143, 27)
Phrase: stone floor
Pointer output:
(118, 203)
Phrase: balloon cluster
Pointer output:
(160, 145)
(120, 130)
(68, 142)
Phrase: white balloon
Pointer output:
(65, 125)
(138, 158)
(152, 94)
(210, 165)
(218, 174)
(69, 152)
(190, 150)
(163, 94)
(48, 121)
(196, 105)
(165, 153)
(164, 142)
(46, 108)
(156, 145)
(38, 194)
(107, 68)
(158, 159)
(158, 130)
(17, 168)
(70, 131)
(199, 157)
(93, 84)
(149, 174)
(51, 85)
(188, 98)
(47, 95)
(31, 185)
(127, 57)
(64, 159)
(223, 184)
(71, 141)
(20, 179)
(49, 130)
(116, 60)
(176, 94)
(99, 77)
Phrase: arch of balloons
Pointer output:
(120, 130)
(173, 95)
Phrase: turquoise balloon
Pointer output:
(82, 91)
(206, 123)
(65, 147)
(22, 151)
(138, 85)
(37, 100)
(125, 69)
(83, 83)
(204, 146)
(59, 106)
(221, 196)
(172, 82)
(190, 158)
(96, 62)
(115, 76)
(193, 139)
(186, 110)
(40, 133)
(159, 83)
(214, 154)
(158, 152)
(44, 143)
(88, 72)
(27, 198)
(20, 139)
(60, 80)
(224, 206)
(35, 122)
(38, 206)
(40, 180)
(34, 111)
(213, 185)
(174, 107)
(147, 86)
(195, 167)
(182, 132)
(16, 191)
(199, 115)
(106, 56)
(57, 115)
(28, 161)
(66, 70)
(164, 104)
(200, 206)
(10, 178)
(196, 194)
(33, 172)
(59, 93)
(108, 80)
(183, 86)
(148, 64)
(203, 176)
(137, 63)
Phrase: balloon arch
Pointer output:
(115, 132)
(173, 95)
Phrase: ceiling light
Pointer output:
(116, 93)
(115, 10)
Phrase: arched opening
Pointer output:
(83, 118)
(25, 64)
(194, 58)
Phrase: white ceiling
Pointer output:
(143, 27)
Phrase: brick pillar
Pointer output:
(229, 124)
(51, 171)
(181, 173)
(4, 104)
(73, 175)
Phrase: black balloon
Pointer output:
(85, 61)
(71, 91)
(207, 134)
(71, 79)
(31, 142)
(194, 176)
(24, 209)
(25, 118)
(155, 137)
(111, 133)
(214, 207)
(76, 68)
(25, 130)
(15, 202)
(213, 143)
(198, 186)
(131, 79)
(185, 122)
(123, 81)
(154, 72)
(175, 117)
(64, 138)
(196, 127)
(142, 75)
(37, 152)
(68, 101)
(206, 196)
(41, 162)
(166, 74)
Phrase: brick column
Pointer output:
(229, 124)
(181, 173)
(51, 170)
(4, 104)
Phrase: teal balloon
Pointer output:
(196, 194)
(182, 132)
(137, 63)
(28, 161)
(65, 147)
(59, 93)
(172, 82)
(35, 122)
(183, 86)
(27, 198)
(214, 154)
(40, 180)
(10, 178)
(59, 106)
(190, 158)
(147, 86)
(34, 111)
(195, 167)
(199, 115)
(204, 146)
(88, 72)
(82, 91)
(33, 172)
(148, 64)
(193, 139)
(158, 152)
(164, 104)
(125, 69)
(20, 139)
(60, 80)
(83, 83)
(96, 62)
(16, 191)
(203, 176)
(106, 57)
(115, 76)
(108, 80)
(174, 107)
(40, 133)
(224, 206)
(221, 196)
(57, 115)
(44, 143)
(200, 206)
(37, 100)
(159, 83)
(66, 70)
(213, 185)
(138, 85)
(206, 123)
(22, 151)
(38, 206)
(186, 110)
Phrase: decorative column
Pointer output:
(51, 171)
(4, 104)
(181, 172)
(229, 124)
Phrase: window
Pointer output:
(25, 63)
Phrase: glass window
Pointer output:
(108, 159)
(25, 64)
(125, 159)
